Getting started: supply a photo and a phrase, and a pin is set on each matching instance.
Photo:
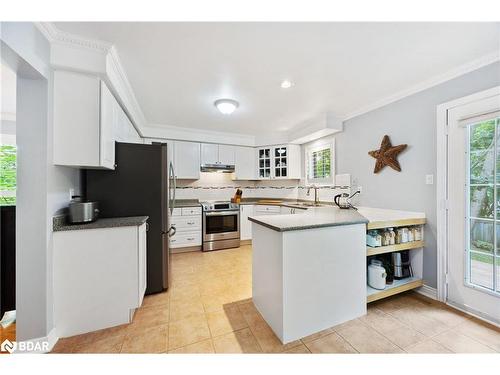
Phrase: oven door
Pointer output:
(221, 225)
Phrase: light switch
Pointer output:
(429, 179)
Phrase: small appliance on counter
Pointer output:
(82, 212)
(344, 200)
(402, 265)
(376, 274)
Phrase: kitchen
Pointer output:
(239, 230)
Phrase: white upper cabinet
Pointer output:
(124, 129)
(217, 154)
(245, 166)
(187, 160)
(83, 121)
(209, 153)
(278, 162)
(226, 155)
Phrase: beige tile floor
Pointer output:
(208, 309)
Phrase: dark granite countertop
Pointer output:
(60, 223)
(179, 203)
(314, 217)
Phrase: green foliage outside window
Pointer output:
(321, 163)
(7, 175)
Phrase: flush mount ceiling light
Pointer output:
(286, 84)
(226, 106)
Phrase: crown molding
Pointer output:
(197, 135)
(55, 35)
(427, 84)
(104, 60)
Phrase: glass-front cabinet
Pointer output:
(279, 162)
(264, 163)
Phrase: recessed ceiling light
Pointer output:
(286, 84)
(226, 106)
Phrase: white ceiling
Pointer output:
(177, 70)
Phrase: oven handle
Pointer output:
(221, 213)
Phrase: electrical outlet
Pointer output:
(429, 179)
(71, 193)
(360, 189)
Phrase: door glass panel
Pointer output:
(481, 236)
(481, 270)
(481, 201)
(483, 204)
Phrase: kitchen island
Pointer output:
(309, 270)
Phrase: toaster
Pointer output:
(82, 212)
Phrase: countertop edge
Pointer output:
(60, 224)
(305, 227)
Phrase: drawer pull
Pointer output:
(190, 239)
(190, 222)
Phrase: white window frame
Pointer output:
(308, 162)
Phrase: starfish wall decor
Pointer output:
(387, 155)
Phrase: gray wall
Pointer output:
(411, 120)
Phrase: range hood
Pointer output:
(221, 168)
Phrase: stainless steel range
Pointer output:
(221, 225)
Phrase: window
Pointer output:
(483, 205)
(320, 164)
(7, 175)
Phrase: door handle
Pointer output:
(171, 231)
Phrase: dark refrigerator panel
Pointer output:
(138, 186)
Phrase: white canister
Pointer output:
(376, 276)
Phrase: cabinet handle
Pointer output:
(190, 239)
(190, 222)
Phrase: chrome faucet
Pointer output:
(316, 198)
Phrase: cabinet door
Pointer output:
(264, 163)
(187, 160)
(108, 121)
(76, 119)
(142, 262)
(209, 153)
(280, 162)
(245, 224)
(226, 155)
(244, 165)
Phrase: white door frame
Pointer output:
(442, 184)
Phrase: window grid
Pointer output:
(483, 256)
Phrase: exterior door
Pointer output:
(473, 253)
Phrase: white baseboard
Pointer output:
(38, 345)
(428, 291)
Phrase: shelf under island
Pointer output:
(309, 270)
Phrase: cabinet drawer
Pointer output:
(267, 209)
(191, 211)
(185, 239)
(186, 223)
(177, 212)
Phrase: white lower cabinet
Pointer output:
(246, 210)
(187, 224)
(267, 210)
(99, 277)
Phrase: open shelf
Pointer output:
(394, 223)
(391, 248)
(396, 287)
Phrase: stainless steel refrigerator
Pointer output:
(143, 183)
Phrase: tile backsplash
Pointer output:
(220, 186)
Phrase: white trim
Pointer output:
(434, 81)
(442, 182)
(477, 314)
(51, 338)
(428, 291)
(8, 116)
